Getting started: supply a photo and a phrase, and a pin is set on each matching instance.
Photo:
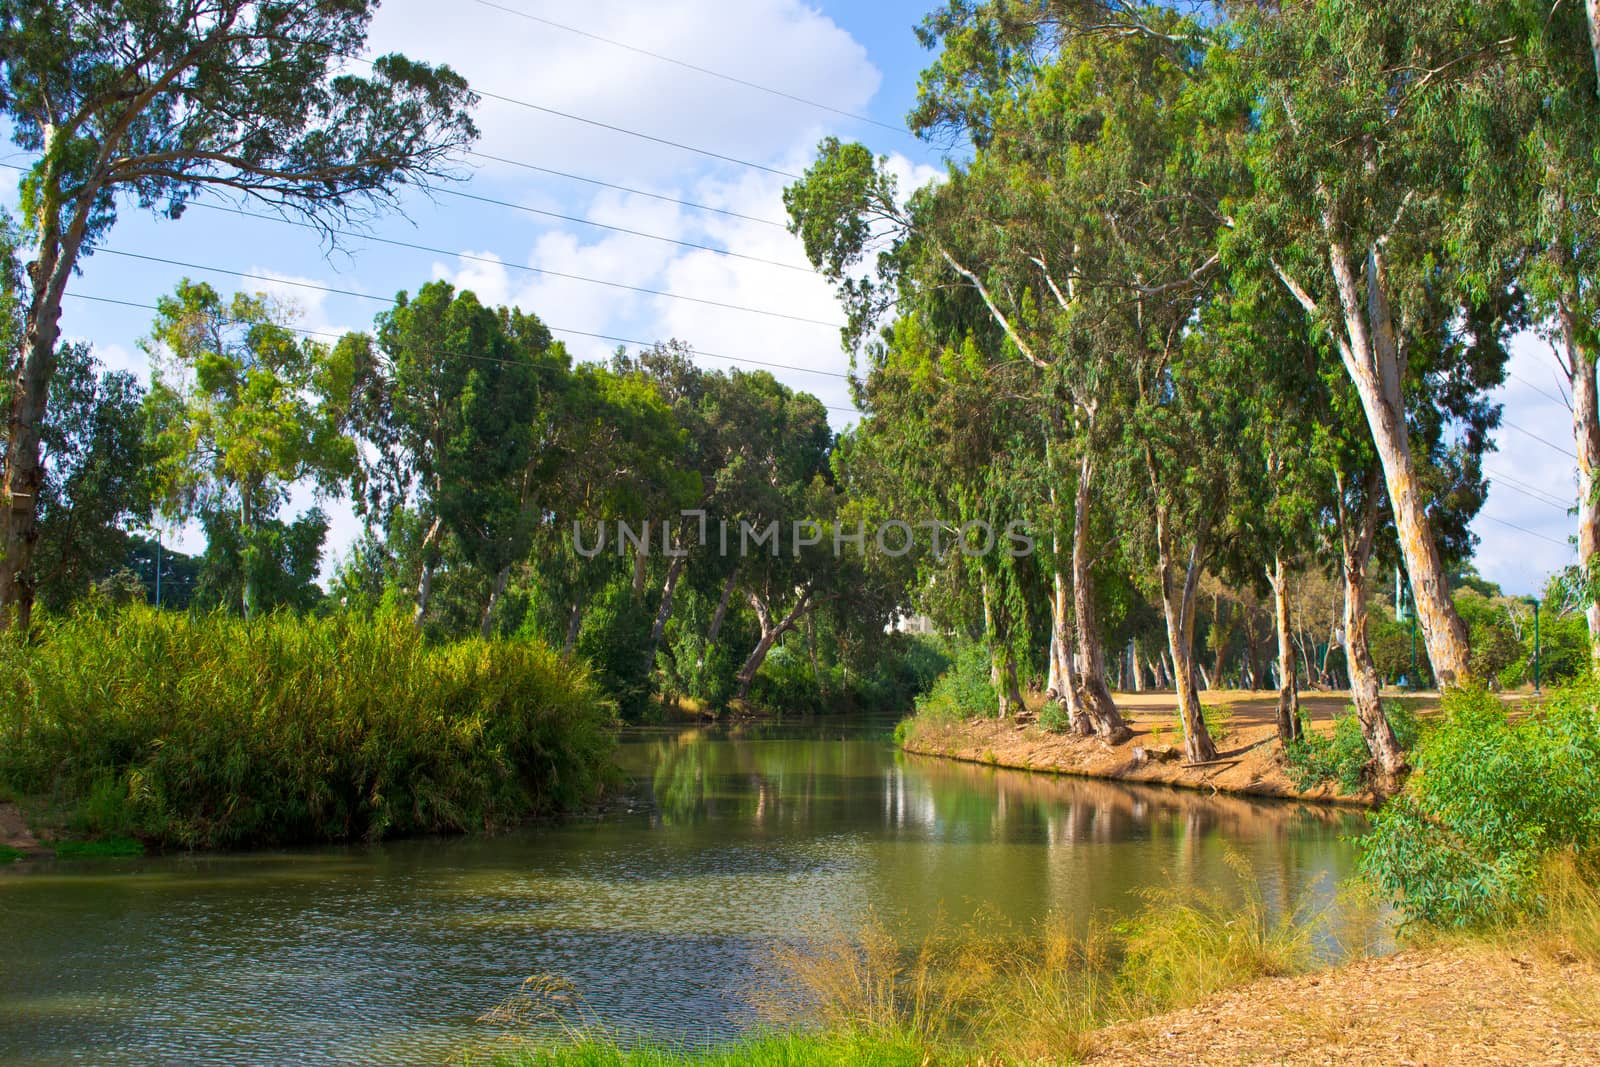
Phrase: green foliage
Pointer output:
(963, 690)
(1317, 758)
(1054, 718)
(615, 641)
(1493, 798)
(211, 732)
(9, 855)
(104, 848)
(96, 476)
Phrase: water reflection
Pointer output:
(386, 955)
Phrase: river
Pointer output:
(660, 918)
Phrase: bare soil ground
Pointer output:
(1249, 760)
(14, 831)
(1435, 1007)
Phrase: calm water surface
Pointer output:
(661, 918)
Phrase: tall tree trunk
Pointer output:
(1370, 349)
(425, 580)
(668, 589)
(638, 570)
(1097, 701)
(486, 622)
(249, 556)
(1063, 673)
(1219, 620)
(1288, 691)
(992, 639)
(1388, 760)
(1013, 690)
(1580, 368)
(1178, 597)
(717, 616)
(48, 275)
(1137, 669)
(770, 634)
(1164, 661)
(574, 625)
(1594, 39)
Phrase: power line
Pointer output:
(1530, 533)
(1542, 440)
(552, 329)
(626, 189)
(471, 257)
(1563, 401)
(1532, 496)
(531, 106)
(622, 229)
(695, 67)
(1533, 490)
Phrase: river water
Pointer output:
(661, 919)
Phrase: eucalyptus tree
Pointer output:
(160, 100)
(1359, 167)
(97, 475)
(1531, 146)
(448, 397)
(241, 411)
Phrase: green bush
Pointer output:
(1343, 758)
(206, 731)
(1054, 718)
(615, 640)
(963, 690)
(1492, 800)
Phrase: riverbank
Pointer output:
(1249, 761)
(1468, 1002)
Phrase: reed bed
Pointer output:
(210, 732)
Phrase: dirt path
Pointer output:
(1248, 763)
(1435, 1007)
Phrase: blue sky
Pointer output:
(857, 57)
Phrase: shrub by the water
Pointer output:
(206, 731)
(963, 690)
(1494, 800)
(1343, 758)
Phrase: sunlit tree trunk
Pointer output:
(1580, 368)
(425, 580)
(1097, 701)
(1356, 538)
(1180, 587)
(1372, 357)
(1288, 689)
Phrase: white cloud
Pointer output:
(780, 43)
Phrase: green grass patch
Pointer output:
(210, 732)
(106, 848)
(9, 855)
(779, 1050)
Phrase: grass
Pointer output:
(206, 731)
(9, 855)
(984, 993)
(776, 1050)
(105, 848)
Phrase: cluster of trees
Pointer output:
(1218, 296)
(503, 488)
